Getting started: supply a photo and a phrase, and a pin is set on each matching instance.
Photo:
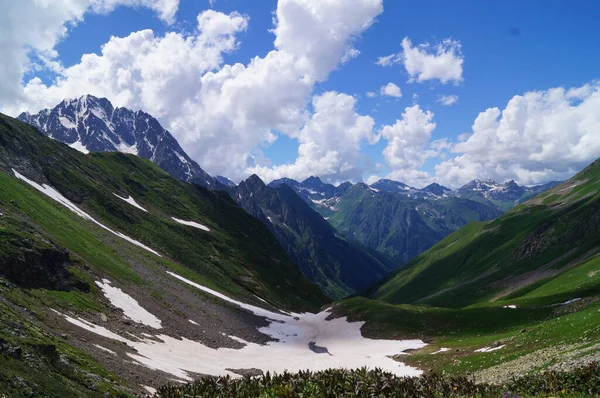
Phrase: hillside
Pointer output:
(339, 266)
(98, 254)
(542, 251)
(385, 220)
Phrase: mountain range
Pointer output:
(360, 232)
(116, 277)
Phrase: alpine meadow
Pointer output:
(299, 198)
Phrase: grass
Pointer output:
(484, 262)
(522, 331)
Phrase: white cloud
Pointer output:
(539, 136)
(447, 100)
(220, 113)
(408, 139)
(389, 60)
(32, 28)
(443, 62)
(391, 90)
(330, 142)
(371, 94)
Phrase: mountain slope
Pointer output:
(91, 124)
(543, 251)
(395, 224)
(97, 253)
(338, 266)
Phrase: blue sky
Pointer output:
(507, 48)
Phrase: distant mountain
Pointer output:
(339, 266)
(91, 124)
(541, 253)
(503, 196)
(389, 216)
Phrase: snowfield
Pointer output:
(131, 308)
(341, 346)
(57, 196)
(191, 224)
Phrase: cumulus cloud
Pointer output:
(220, 113)
(408, 137)
(391, 90)
(330, 141)
(31, 29)
(537, 137)
(371, 94)
(443, 62)
(447, 100)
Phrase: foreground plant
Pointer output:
(581, 382)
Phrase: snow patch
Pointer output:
(131, 201)
(105, 349)
(192, 224)
(80, 147)
(490, 349)
(66, 122)
(510, 306)
(131, 308)
(571, 301)
(441, 350)
(193, 323)
(151, 390)
(57, 196)
(124, 148)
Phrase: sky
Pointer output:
(415, 91)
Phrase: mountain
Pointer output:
(115, 276)
(390, 216)
(339, 266)
(91, 124)
(541, 252)
(503, 196)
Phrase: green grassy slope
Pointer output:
(238, 256)
(541, 252)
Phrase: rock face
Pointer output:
(91, 124)
(31, 263)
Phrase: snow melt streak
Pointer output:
(131, 201)
(57, 196)
(191, 224)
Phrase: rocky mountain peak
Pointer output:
(92, 124)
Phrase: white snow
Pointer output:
(571, 301)
(294, 332)
(193, 323)
(510, 306)
(124, 148)
(192, 224)
(79, 146)
(263, 300)
(131, 201)
(57, 196)
(270, 219)
(490, 349)
(151, 390)
(66, 122)
(105, 349)
(131, 308)
(441, 350)
(180, 157)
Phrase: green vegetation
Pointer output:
(239, 256)
(542, 252)
(582, 382)
(397, 225)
